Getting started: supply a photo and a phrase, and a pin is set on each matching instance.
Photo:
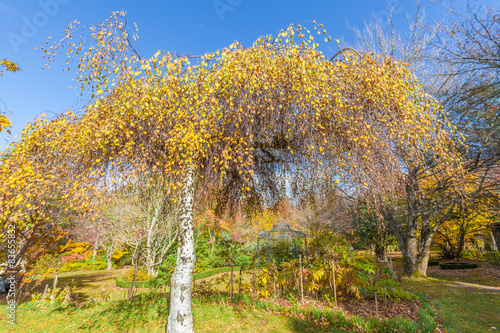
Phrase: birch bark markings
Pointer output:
(180, 319)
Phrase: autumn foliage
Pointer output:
(244, 122)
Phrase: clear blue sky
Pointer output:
(184, 26)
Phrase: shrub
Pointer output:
(433, 263)
(471, 254)
(83, 266)
(166, 269)
(122, 283)
(142, 275)
(211, 272)
(457, 265)
(60, 295)
(493, 257)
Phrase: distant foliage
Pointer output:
(142, 275)
(493, 257)
(87, 265)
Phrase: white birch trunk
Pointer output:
(180, 319)
(149, 250)
(493, 242)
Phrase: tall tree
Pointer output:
(248, 121)
(457, 61)
(469, 63)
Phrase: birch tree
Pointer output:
(246, 120)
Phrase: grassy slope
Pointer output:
(142, 316)
(150, 317)
(462, 308)
(87, 283)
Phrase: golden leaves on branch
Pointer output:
(246, 118)
(9, 66)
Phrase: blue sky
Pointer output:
(184, 26)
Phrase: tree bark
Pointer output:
(423, 262)
(379, 252)
(495, 229)
(132, 285)
(149, 250)
(54, 285)
(180, 319)
(110, 262)
(493, 242)
(94, 253)
(231, 292)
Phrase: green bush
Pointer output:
(142, 275)
(141, 284)
(471, 254)
(219, 254)
(211, 272)
(493, 257)
(83, 266)
(433, 263)
(457, 265)
(157, 282)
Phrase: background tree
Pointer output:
(143, 217)
(467, 225)
(448, 59)
(469, 63)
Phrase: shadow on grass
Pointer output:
(122, 316)
(291, 324)
(86, 282)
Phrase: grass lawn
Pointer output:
(462, 306)
(151, 317)
(88, 283)
(484, 275)
(465, 300)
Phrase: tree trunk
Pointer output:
(495, 229)
(110, 262)
(94, 253)
(409, 251)
(180, 319)
(494, 246)
(132, 285)
(54, 284)
(231, 292)
(379, 252)
(149, 250)
(460, 245)
(416, 255)
(423, 262)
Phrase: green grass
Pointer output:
(150, 317)
(462, 308)
(87, 283)
(149, 309)
(149, 313)
(120, 282)
(484, 275)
